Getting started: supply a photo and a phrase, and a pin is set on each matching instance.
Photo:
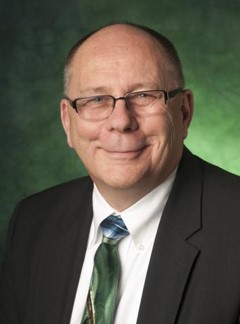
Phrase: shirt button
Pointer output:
(141, 247)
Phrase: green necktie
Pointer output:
(101, 301)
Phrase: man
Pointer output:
(126, 114)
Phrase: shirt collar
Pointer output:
(141, 219)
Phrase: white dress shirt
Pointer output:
(142, 220)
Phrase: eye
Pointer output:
(143, 95)
(95, 101)
(142, 98)
(146, 95)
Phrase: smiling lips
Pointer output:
(125, 154)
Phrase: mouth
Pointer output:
(125, 154)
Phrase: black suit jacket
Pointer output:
(194, 271)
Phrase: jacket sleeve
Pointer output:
(8, 310)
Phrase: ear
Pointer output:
(187, 110)
(66, 120)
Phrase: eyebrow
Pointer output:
(135, 87)
(144, 86)
(89, 91)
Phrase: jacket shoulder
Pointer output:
(220, 178)
(56, 198)
(46, 210)
(214, 175)
(79, 185)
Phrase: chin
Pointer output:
(122, 183)
(120, 180)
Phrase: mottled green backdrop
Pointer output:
(35, 38)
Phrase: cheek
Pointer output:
(85, 130)
(166, 143)
(160, 128)
(164, 136)
(172, 124)
(83, 135)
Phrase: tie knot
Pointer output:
(113, 228)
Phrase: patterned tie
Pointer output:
(101, 302)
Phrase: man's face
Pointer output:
(125, 151)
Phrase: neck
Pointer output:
(122, 198)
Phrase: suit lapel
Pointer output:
(58, 262)
(173, 258)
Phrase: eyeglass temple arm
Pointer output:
(173, 93)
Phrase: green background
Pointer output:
(35, 38)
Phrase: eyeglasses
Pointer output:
(97, 108)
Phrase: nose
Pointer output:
(121, 118)
(119, 98)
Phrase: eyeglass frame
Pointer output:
(167, 95)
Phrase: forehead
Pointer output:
(116, 51)
(118, 40)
